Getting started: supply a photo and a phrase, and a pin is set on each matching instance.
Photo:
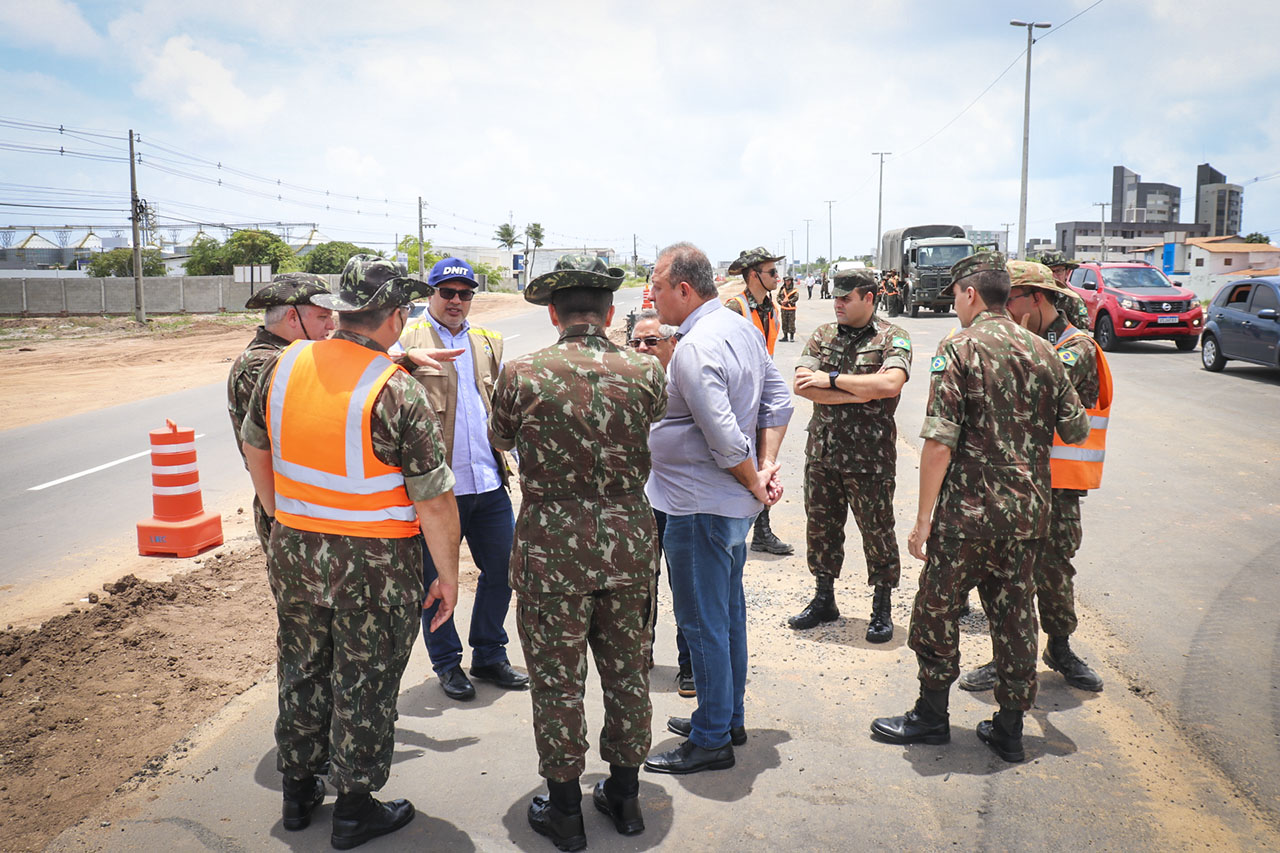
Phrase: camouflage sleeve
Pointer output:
(658, 381)
(406, 435)
(502, 421)
(944, 413)
(810, 359)
(1073, 420)
(897, 353)
(254, 429)
(736, 305)
(1082, 369)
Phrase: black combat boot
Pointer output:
(619, 798)
(880, 628)
(559, 815)
(764, 540)
(1059, 657)
(928, 722)
(358, 818)
(821, 609)
(980, 679)
(301, 798)
(1003, 733)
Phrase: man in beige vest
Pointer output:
(484, 505)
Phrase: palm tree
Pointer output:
(532, 234)
(506, 236)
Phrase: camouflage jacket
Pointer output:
(1082, 369)
(244, 374)
(347, 572)
(996, 394)
(578, 414)
(858, 438)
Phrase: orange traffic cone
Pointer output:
(180, 525)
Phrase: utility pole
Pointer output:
(635, 255)
(1026, 125)
(831, 254)
(422, 273)
(1007, 226)
(806, 246)
(879, 201)
(1102, 228)
(139, 310)
(793, 246)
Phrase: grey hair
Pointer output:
(275, 314)
(652, 314)
(689, 263)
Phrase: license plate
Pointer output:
(1165, 319)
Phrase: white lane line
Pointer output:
(510, 337)
(89, 471)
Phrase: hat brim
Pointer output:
(540, 290)
(306, 294)
(394, 293)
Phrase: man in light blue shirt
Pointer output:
(714, 468)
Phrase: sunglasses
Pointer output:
(651, 341)
(447, 294)
(773, 273)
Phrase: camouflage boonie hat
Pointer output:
(846, 280)
(1032, 274)
(573, 271)
(289, 288)
(370, 282)
(978, 262)
(750, 257)
(1057, 259)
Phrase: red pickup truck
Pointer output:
(1136, 302)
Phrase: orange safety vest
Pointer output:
(1079, 466)
(327, 478)
(770, 334)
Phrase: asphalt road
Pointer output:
(1177, 573)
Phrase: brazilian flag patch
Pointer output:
(901, 343)
(938, 364)
(1068, 357)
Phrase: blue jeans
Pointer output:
(705, 556)
(682, 648)
(488, 526)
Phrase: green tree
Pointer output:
(507, 236)
(206, 257)
(820, 261)
(1256, 237)
(331, 257)
(533, 236)
(409, 245)
(260, 247)
(119, 263)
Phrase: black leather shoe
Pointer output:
(1059, 657)
(919, 725)
(623, 811)
(456, 685)
(995, 734)
(683, 726)
(501, 674)
(980, 679)
(301, 798)
(688, 757)
(565, 830)
(821, 609)
(378, 818)
(684, 684)
(880, 626)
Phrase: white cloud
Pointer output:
(50, 24)
(198, 88)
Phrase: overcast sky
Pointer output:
(724, 123)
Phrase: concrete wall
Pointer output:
(161, 295)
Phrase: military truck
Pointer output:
(923, 255)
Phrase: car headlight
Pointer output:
(1128, 303)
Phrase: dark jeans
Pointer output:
(682, 648)
(488, 526)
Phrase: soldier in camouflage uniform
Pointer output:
(586, 545)
(290, 316)
(996, 395)
(1040, 303)
(344, 552)
(853, 370)
(1077, 311)
(788, 299)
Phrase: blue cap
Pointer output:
(452, 269)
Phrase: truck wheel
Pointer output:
(1185, 344)
(912, 308)
(1210, 354)
(1104, 333)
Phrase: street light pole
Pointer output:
(806, 246)
(1007, 226)
(1102, 229)
(1026, 129)
(879, 201)
(830, 243)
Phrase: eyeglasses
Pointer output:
(447, 294)
(773, 272)
(651, 341)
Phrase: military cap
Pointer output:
(370, 282)
(1032, 274)
(1057, 259)
(573, 271)
(750, 257)
(846, 281)
(978, 262)
(289, 288)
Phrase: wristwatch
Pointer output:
(832, 376)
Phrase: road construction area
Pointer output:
(137, 695)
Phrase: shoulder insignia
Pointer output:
(938, 364)
(1068, 357)
(901, 343)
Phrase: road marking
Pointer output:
(510, 337)
(89, 471)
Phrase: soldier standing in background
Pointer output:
(350, 487)
(1040, 303)
(996, 395)
(290, 316)
(788, 299)
(759, 270)
(853, 371)
(578, 414)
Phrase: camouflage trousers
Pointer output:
(338, 673)
(555, 631)
(788, 322)
(1055, 576)
(262, 526)
(1002, 570)
(829, 494)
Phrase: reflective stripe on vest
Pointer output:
(771, 336)
(327, 478)
(1079, 466)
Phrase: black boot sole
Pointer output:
(347, 842)
(880, 637)
(796, 624)
(1013, 756)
